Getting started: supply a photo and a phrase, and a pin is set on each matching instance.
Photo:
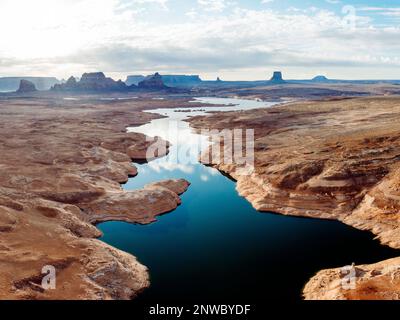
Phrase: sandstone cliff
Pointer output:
(11, 84)
(277, 78)
(332, 160)
(134, 79)
(26, 86)
(92, 82)
(60, 173)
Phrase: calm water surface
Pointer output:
(215, 246)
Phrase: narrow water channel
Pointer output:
(215, 246)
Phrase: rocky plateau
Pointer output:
(335, 159)
(62, 166)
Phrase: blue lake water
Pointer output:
(215, 246)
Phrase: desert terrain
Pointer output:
(62, 166)
(310, 91)
(64, 161)
(334, 159)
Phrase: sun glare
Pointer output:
(47, 28)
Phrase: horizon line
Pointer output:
(199, 75)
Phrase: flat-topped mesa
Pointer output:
(170, 80)
(181, 80)
(93, 82)
(26, 86)
(69, 85)
(277, 77)
(154, 82)
(10, 84)
(93, 77)
(320, 78)
(137, 206)
(134, 79)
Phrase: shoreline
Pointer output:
(287, 193)
(74, 183)
(79, 155)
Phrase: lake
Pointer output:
(215, 246)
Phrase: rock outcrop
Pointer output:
(277, 78)
(170, 80)
(379, 281)
(154, 82)
(134, 80)
(11, 84)
(320, 79)
(140, 206)
(92, 82)
(181, 80)
(26, 86)
(60, 173)
(332, 160)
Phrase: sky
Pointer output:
(231, 39)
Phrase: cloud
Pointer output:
(394, 12)
(213, 5)
(69, 37)
(191, 13)
(233, 42)
(160, 3)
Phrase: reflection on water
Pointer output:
(215, 246)
(186, 145)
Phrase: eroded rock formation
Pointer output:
(181, 80)
(92, 82)
(26, 86)
(277, 78)
(154, 82)
(134, 79)
(333, 160)
(60, 173)
(11, 84)
(320, 79)
(379, 281)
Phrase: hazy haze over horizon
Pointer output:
(232, 39)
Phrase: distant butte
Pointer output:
(93, 82)
(26, 86)
(277, 77)
(320, 79)
(154, 82)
